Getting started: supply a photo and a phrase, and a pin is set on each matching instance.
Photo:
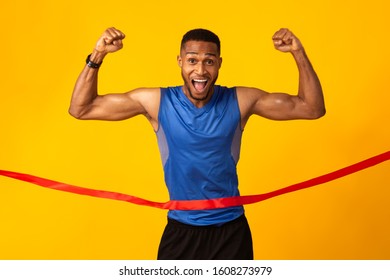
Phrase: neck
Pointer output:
(198, 102)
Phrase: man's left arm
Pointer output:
(307, 104)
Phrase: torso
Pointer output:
(152, 106)
(199, 150)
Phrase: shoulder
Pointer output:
(144, 95)
(144, 91)
(148, 99)
(223, 89)
(250, 92)
(248, 99)
(224, 92)
(249, 96)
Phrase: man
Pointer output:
(199, 127)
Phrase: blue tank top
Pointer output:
(200, 148)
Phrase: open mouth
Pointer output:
(199, 84)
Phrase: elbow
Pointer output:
(75, 113)
(322, 113)
(318, 113)
(313, 112)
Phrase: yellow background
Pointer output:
(44, 45)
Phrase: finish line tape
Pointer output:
(199, 204)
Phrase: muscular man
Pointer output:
(199, 127)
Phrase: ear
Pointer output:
(179, 61)
(220, 62)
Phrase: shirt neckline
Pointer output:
(204, 108)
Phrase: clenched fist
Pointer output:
(110, 41)
(285, 41)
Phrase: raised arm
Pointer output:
(86, 104)
(307, 104)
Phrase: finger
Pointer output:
(280, 33)
(277, 42)
(116, 33)
(287, 40)
(108, 37)
(120, 34)
(288, 37)
(112, 34)
(117, 43)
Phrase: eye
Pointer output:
(191, 60)
(209, 62)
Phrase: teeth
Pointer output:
(200, 81)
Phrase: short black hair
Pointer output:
(200, 34)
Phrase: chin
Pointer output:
(200, 96)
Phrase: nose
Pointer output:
(200, 68)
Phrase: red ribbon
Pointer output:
(199, 204)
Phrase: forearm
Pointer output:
(85, 90)
(310, 90)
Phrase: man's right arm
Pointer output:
(86, 104)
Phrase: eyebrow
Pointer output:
(208, 54)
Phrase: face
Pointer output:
(199, 62)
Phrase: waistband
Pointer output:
(174, 223)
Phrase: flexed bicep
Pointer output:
(111, 107)
(114, 107)
(308, 103)
(275, 106)
(280, 106)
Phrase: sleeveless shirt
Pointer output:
(199, 149)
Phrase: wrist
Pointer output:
(298, 53)
(94, 60)
(97, 57)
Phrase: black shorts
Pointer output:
(231, 241)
